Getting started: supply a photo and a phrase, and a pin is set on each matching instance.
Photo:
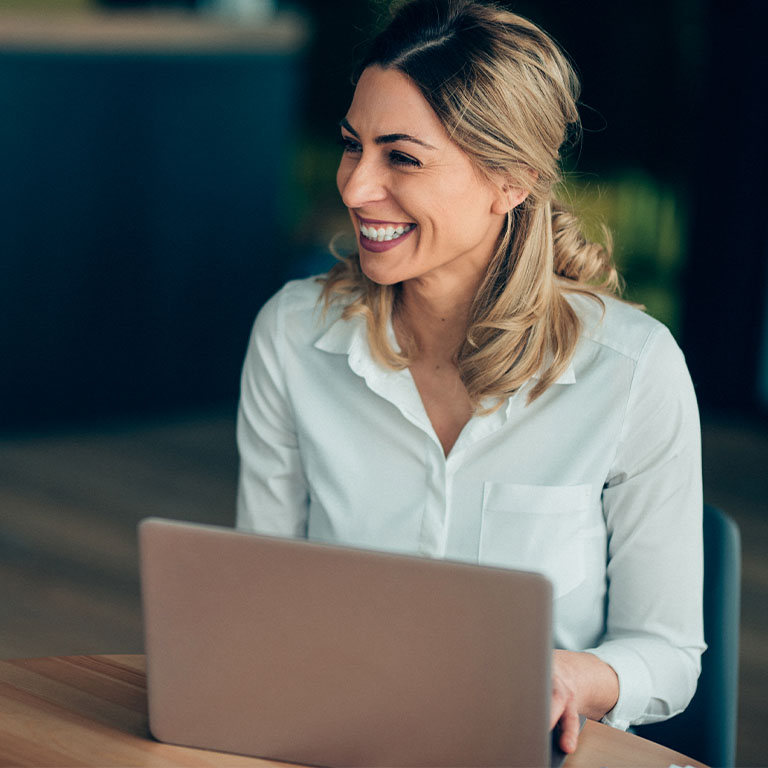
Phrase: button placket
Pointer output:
(432, 537)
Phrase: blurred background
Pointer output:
(165, 166)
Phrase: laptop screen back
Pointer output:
(334, 656)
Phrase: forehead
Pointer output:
(386, 102)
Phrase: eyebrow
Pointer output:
(387, 138)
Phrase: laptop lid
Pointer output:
(326, 655)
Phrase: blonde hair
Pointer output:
(507, 96)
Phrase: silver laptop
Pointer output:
(323, 655)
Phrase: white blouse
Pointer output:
(596, 484)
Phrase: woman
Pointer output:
(464, 386)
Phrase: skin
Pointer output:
(400, 167)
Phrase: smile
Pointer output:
(384, 234)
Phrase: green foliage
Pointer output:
(648, 222)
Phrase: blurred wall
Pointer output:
(140, 216)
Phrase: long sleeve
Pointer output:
(272, 491)
(652, 504)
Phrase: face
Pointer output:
(419, 208)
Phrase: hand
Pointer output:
(564, 709)
(581, 683)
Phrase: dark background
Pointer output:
(148, 205)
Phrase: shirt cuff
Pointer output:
(634, 683)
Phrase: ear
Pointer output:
(509, 194)
(508, 197)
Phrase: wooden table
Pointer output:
(92, 711)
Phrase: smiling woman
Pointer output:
(471, 389)
(417, 179)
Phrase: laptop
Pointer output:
(324, 655)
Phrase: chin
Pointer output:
(378, 275)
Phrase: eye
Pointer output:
(349, 144)
(398, 158)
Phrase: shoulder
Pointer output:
(296, 296)
(625, 351)
(618, 328)
(297, 310)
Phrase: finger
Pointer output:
(557, 707)
(569, 728)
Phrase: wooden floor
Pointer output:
(69, 504)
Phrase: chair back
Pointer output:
(706, 730)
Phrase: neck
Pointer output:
(435, 315)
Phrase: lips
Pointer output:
(377, 236)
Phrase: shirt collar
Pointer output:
(349, 337)
(342, 336)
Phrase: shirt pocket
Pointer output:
(536, 528)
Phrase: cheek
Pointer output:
(469, 211)
(456, 207)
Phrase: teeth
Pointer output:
(382, 234)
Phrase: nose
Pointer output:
(360, 181)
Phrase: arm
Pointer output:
(272, 491)
(652, 503)
(647, 665)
